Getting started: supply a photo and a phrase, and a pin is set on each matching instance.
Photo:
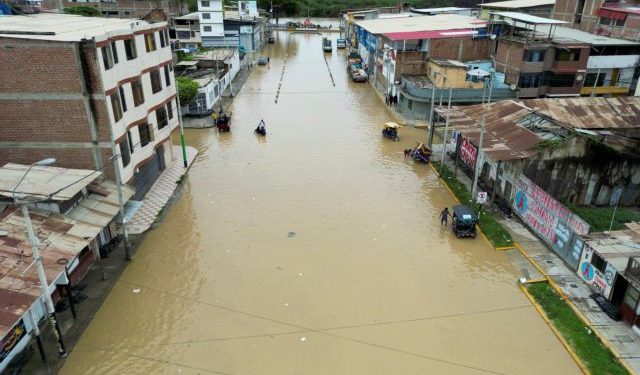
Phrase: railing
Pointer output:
(457, 95)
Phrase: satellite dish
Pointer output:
(578, 78)
(513, 87)
(493, 36)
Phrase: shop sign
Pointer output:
(468, 153)
(11, 339)
(550, 220)
(599, 281)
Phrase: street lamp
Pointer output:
(35, 246)
(486, 77)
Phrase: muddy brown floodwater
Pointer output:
(316, 250)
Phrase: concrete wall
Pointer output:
(463, 49)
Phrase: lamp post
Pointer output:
(433, 96)
(482, 128)
(35, 246)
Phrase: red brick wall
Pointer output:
(38, 68)
(81, 158)
(472, 49)
(44, 121)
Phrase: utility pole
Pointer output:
(479, 158)
(123, 219)
(595, 83)
(446, 127)
(433, 96)
(182, 143)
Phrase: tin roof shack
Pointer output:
(416, 90)
(537, 62)
(71, 222)
(540, 8)
(581, 150)
(223, 63)
(610, 264)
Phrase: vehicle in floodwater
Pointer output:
(341, 43)
(464, 221)
(391, 131)
(326, 45)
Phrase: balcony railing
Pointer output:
(457, 95)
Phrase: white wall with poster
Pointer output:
(247, 9)
(597, 272)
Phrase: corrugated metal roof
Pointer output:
(527, 18)
(591, 113)
(62, 237)
(517, 4)
(424, 23)
(45, 181)
(414, 35)
(616, 247)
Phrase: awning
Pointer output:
(613, 14)
(440, 34)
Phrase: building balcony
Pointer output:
(417, 90)
(604, 90)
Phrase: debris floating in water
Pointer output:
(291, 234)
(286, 304)
(136, 290)
(303, 339)
(300, 273)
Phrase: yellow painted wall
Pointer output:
(456, 76)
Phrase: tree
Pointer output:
(83, 10)
(187, 90)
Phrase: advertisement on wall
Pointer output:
(550, 220)
(601, 282)
(468, 153)
(247, 9)
(11, 339)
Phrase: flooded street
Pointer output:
(316, 250)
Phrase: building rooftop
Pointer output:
(561, 32)
(53, 183)
(67, 27)
(437, 22)
(189, 17)
(621, 7)
(62, 237)
(517, 4)
(216, 54)
(617, 246)
(438, 10)
(515, 17)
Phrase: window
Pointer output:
(167, 77)
(149, 42)
(130, 48)
(156, 84)
(206, 16)
(206, 28)
(130, 139)
(567, 55)
(610, 22)
(114, 51)
(530, 80)
(534, 56)
(115, 107)
(163, 42)
(138, 94)
(145, 134)
(631, 297)
(183, 34)
(590, 79)
(170, 109)
(124, 152)
(562, 80)
(122, 99)
(107, 57)
(204, 4)
(161, 117)
(599, 263)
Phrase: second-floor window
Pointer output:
(115, 106)
(156, 83)
(206, 16)
(167, 76)
(161, 117)
(122, 99)
(530, 80)
(124, 152)
(130, 139)
(206, 28)
(534, 56)
(145, 134)
(163, 42)
(170, 109)
(138, 94)
(568, 55)
(562, 80)
(130, 48)
(149, 42)
(107, 57)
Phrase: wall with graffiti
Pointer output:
(601, 280)
(554, 223)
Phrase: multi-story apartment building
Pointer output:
(186, 31)
(618, 19)
(125, 8)
(94, 93)
(211, 18)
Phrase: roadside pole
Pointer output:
(433, 96)
(446, 128)
(123, 219)
(182, 144)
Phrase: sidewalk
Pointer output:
(238, 81)
(619, 336)
(398, 116)
(157, 197)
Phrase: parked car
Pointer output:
(341, 43)
(326, 45)
(272, 39)
(262, 60)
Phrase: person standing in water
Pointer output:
(444, 216)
